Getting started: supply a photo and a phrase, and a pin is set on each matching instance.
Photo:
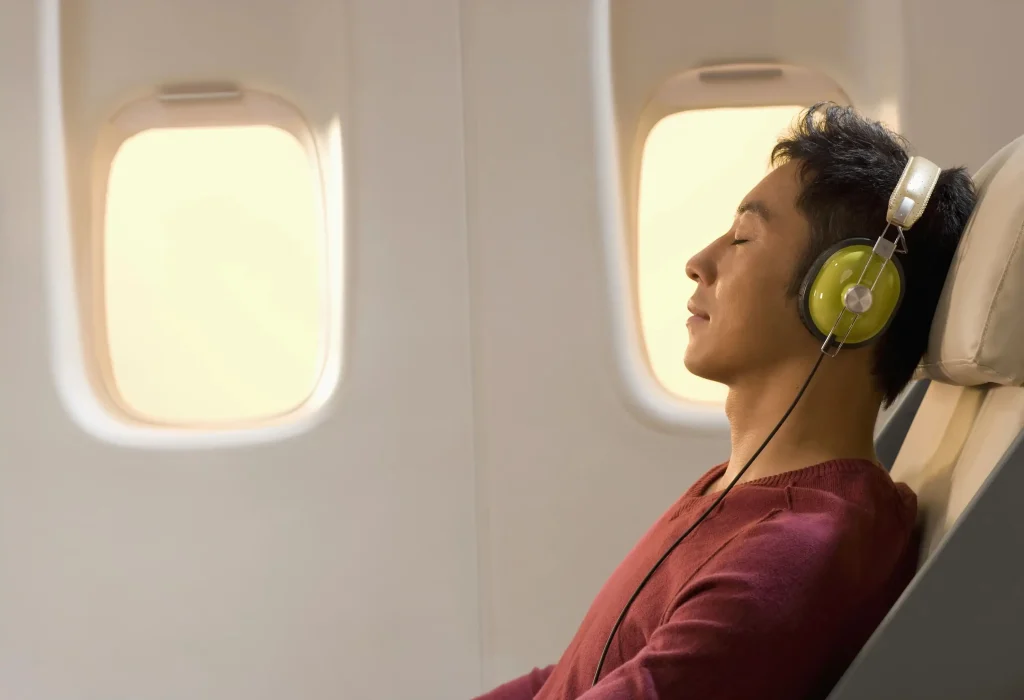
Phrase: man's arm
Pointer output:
(522, 688)
(762, 621)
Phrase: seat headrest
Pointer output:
(977, 335)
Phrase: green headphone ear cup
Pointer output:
(835, 271)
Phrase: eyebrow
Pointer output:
(754, 207)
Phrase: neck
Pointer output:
(834, 419)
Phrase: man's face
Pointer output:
(744, 319)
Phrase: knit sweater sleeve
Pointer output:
(762, 619)
(522, 688)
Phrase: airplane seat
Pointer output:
(973, 409)
(948, 636)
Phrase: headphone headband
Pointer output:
(912, 192)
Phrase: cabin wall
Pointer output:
(305, 566)
(483, 465)
(961, 101)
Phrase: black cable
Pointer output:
(622, 615)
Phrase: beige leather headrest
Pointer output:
(977, 336)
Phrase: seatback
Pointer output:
(964, 424)
(954, 633)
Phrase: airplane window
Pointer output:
(213, 274)
(697, 166)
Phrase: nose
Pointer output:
(699, 268)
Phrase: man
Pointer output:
(775, 592)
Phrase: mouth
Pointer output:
(698, 314)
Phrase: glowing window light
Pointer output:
(213, 275)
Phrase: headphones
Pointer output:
(855, 283)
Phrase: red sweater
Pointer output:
(770, 598)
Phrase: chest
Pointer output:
(661, 594)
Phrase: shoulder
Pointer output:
(853, 503)
(788, 544)
(826, 537)
(844, 499)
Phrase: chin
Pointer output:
(704, 365)
(696, 365)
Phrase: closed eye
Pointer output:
(738, 241)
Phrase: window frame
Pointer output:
(619, 155)
(195, 106)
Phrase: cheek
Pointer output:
(755, 304)
(742, 297)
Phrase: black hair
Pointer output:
(849, 166)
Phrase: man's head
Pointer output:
(834, 175)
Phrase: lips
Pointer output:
(697, 311)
